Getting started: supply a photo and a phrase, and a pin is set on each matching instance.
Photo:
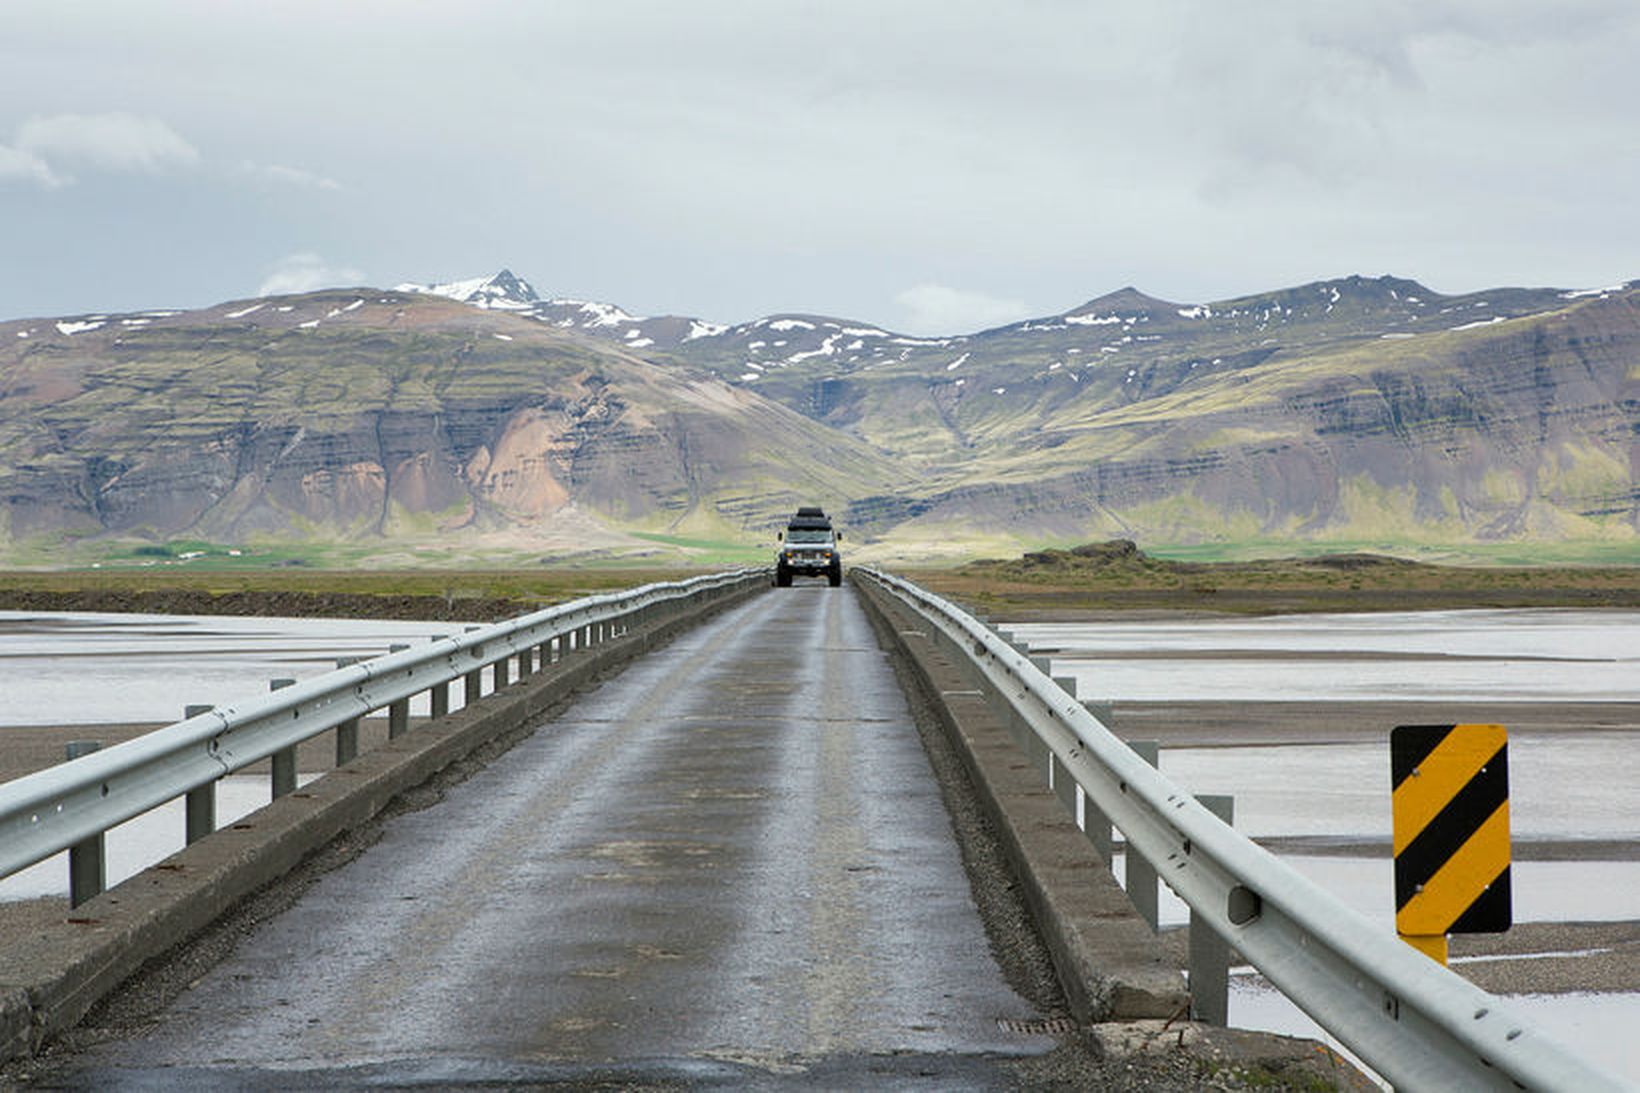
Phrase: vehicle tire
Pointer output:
(782, 577)
(835, 575)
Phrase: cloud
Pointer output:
(116, 142)
(936, 309)
(306, 272)
(281, 175)
(18, 164)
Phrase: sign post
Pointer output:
(1451, 825)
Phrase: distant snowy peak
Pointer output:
(745, 350)
(504, 291)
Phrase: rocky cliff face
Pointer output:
(1349, 410)
(1524, 429)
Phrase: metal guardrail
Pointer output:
(1419, 1025)
(63, 807)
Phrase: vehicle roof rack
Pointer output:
(809, 518)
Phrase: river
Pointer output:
(1567, 786)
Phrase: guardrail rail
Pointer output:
(70, 806)
(1413, 1021)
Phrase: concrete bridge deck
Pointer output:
(733, 864)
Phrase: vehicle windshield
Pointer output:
(801, 536)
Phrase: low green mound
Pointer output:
(1117, 575)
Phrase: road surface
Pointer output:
(729, 863)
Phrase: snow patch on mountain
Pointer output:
(601, 314)
(828, 347)
(1602, 293)
(502, 291)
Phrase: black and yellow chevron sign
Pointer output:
(1451, 820)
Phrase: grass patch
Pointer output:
(1117, 576)
(1597, 552)
(711, 551)
(470, 594)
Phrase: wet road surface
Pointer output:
(730, 863)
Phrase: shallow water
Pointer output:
(1522, 655)
(1563, 786)
(74, 668)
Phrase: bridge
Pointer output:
(694, 834)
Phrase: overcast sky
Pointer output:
(931, 166)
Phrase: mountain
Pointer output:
(398, 417)
(1349, 410)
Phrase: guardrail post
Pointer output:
(87, 862)
(398, 713)
(347, 733)
(1141, 875)
(200, 806)
(526, 662)
(1059, 780)
(1038, 753)
(438, 695)
(1095, 824)
(284, 760)
(439, 700)
(502, 672)
(474, 678)
(1210, 953)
